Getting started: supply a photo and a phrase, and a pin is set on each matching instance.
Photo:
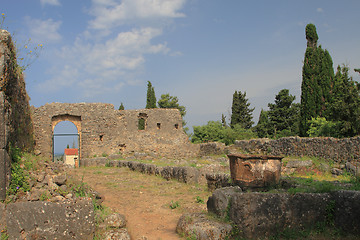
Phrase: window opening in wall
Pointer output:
(176, 126)
(101, 137)
(141, 124)
(158, 125)
(142, 121)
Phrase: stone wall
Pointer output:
(15, 118)
(104, 130)
(340, 150)
(259, 215)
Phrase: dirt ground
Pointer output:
(151, 205)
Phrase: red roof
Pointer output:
(71, 151)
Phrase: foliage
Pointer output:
(199, 200)
(320, 127)
(167, 101)
(241, 113)
(174, 205)
(214, 131)
(19, 178)
(141, 124)
(343, 108)
(318, 79)
(283, 114)
(121, 107)
(263, 127)
(150, 96)
(223, 120)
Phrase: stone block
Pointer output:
(47, 220)
(346, 210)
(198, 226)
(4, 172)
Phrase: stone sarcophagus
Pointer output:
(255, 171)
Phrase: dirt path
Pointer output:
(145, 200)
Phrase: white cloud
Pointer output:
(50, 2)
(107, 66)
(43, 30)
(110, 13)
(320, 10)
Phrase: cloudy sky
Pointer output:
(198, 50)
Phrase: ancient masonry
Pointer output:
(103, 130)
(15, 120)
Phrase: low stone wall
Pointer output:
(258, 215)
(340, 150)
(49, 220)
(181, 174)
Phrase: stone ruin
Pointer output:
(104, 131)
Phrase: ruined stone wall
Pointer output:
(15, 118)
(340, 150)
(104, 130)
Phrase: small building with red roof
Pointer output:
(71, 156)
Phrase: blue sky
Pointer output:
(198, 50)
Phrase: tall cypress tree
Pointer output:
(318, 80)
(241, 111)
(150, 96)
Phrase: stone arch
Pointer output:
(76, 120)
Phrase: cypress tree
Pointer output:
(317, 80)
(150, 96)
(121, 107)
(241, 111)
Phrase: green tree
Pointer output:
(283, 114)
(150, 96)
(318, 79)
(344, 106)
(263, 128)
(241, 113)
(223, 120)
(168, 101)
(121, 107)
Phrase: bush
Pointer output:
(320, 127)
(216, 132)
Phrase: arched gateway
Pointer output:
(103, 130)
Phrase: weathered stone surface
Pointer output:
(218, 203)
(265, 214)
(115, 220)
(105, 130)
(47, 220)
(60, 179)
(117, 234)
(2, 217)
(340, 150)
(217, 180)
(198, 226)
(299, 163)
(346, 210)
(353, 168)
(255, 171)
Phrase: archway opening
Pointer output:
(65, 138)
